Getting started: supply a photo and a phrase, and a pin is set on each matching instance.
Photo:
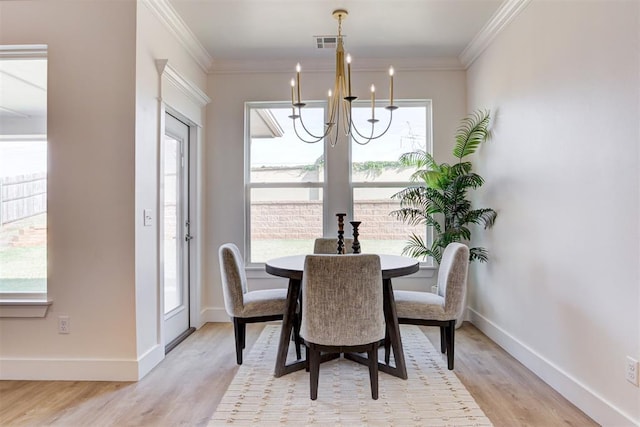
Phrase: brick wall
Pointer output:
(303, 220)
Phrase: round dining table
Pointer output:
(292, 268)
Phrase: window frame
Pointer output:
(427, 103)
(21, 303)
(248, 185)
(328, 219)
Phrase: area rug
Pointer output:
(432, 396)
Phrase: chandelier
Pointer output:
(340, 102)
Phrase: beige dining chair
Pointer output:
(244, 306)
(342, 310)
(441, 309)
(329, 245)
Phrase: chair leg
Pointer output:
(237, 331)
(443, 339)
(451, 332)
(243, 333)
(387, 347)
(314, 368)
(373, 370)
(296, 336)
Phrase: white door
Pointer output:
(175, 217)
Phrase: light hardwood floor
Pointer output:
(187, 386)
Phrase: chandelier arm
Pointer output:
(346, 126)
(371, 138)
(307, 131)
(317, 139)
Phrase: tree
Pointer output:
(440, 199)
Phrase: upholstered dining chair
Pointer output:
(244, 306)
(329, 245)
(342, 310)
(441, 309)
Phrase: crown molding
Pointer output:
(328, 65)
(503, 16)
(176, 26)
(36, 51)
(183, 84)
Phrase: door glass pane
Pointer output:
(23, 174)
(172, 294)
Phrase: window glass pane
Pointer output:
(23, 173)
(379, 232)
(378, 160)
(23, 216)
(276, 153)
(284, 221)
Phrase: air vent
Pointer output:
(326, 42)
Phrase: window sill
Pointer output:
(24, 307)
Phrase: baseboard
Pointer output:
(68, 370)
(150, 360)
(596, 407)
(80, 369)
(214, 314)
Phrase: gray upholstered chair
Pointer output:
(342, 310)
(441, 309)
(329, 245)
(246, 306)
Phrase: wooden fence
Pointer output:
(22, 196)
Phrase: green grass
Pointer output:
(23, 268)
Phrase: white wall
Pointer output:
(91, 121)
(225, 148)
(104, 127)
(561, 292)
(155, 42)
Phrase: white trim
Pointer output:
(150, 360)
(69, 369)
(500, 19)
(328, 65)
(24, 307)
(167, 15)
(594, 405)
(35, 51)
(188, 88)
(81, 369)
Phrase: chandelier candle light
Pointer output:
(340, 101)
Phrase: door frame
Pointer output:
(193, 269)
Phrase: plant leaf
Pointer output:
(472, 132)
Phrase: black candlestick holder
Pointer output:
(341, 216)
(356, 242)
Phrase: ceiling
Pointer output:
(255, 30)
(278, 29)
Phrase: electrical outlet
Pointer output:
(64, 325)
(632, 371)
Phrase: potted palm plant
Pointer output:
(440, 197)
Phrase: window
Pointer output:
(284, 183)
(23, 172)
(376, 175)
(295, 189)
